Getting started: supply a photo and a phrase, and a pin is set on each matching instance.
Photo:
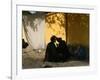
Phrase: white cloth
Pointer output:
(36, 37)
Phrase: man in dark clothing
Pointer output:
(62, 50)
(51, 51)
(81, 53)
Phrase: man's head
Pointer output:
(53, 38)
(59, 39)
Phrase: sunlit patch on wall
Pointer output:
(55, 25)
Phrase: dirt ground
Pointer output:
(34, 59)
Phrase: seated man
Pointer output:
(62, 50)
(51, 51)
(81, 53)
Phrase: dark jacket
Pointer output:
(51, 52)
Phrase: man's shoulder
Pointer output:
(50, 43)
(63, 41)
